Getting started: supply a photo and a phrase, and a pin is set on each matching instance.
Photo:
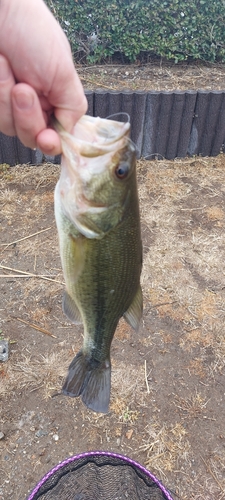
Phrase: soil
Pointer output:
(168, 381)
(156, 75)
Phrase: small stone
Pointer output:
(55, 437)
(41, 433)
(4, 350)
(2, 435)
(129, 434)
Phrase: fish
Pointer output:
(98, 222)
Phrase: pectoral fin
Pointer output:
(70, 309)
(134, 313)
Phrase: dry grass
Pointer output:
(9, 196)
(182, 257)
(126, 382)
(165, 379)
(44, 371)
(154, 76)
(27, 176)
(166, 446)
(191, 407)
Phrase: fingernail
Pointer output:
(24, 100)
(4, 69)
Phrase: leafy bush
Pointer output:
(174, 29)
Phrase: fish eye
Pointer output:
(122, 170)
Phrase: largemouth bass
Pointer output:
(97, 216)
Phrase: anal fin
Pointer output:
(134, 312)
(91, 379)
(70, 309)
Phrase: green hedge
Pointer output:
(177, 29)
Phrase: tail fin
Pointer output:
(90, 379)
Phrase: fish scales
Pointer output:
(102, 293)
(101, 255)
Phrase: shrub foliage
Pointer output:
(175, 29)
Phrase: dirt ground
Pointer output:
(156, 75)
(168, 381)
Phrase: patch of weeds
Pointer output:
(5, 172)
(129, 416)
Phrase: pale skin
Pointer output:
(37, 76)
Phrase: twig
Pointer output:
(213, 475)
(35, 327)
(35, 262)
(164, 303)
(21, 276)
(90, 68)
(195, 208)
(146, 378)
(96, 83)
(25, 274)
(25, 238)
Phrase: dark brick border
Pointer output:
(163, 124)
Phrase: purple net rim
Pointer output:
(90, 454)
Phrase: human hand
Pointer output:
(37, 76)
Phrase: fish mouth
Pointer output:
(100, 131)
(101, 135)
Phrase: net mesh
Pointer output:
(99, 476)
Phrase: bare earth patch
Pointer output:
(168, 381)
(156, 75)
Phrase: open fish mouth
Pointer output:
(101, 135)
(100, 131)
